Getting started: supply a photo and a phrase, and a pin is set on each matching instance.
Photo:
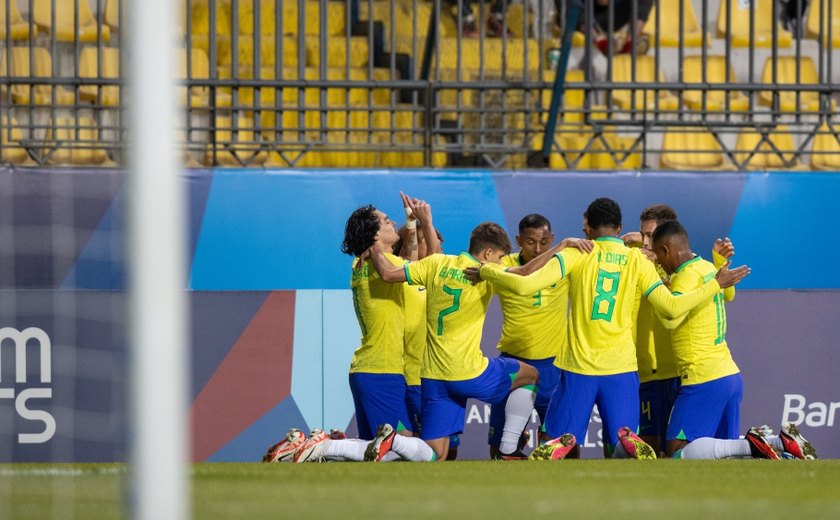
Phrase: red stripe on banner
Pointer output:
(252, 379)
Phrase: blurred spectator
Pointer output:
(622, 14)
(495, 21)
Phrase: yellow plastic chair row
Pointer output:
(65, 143)
(11, 150)
(340, 51)
(19, 28)
(580, 148)
(827, 11)
(66, 14)
(336, 17)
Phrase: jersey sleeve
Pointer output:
(672, 306)
(550, 273)
(421, 271)
(720, 261)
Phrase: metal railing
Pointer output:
(404, 83)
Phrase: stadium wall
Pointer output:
(272, 319)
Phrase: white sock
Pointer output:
(709, 448)
(412, 449)
(520, 404)
(775, 441)
(346, 450)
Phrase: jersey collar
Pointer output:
(696, 258)
(471, 257)
(609, 239)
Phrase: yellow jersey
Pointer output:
(455, 312)
(379, 311)
(415, 332)
(654, 352)
(533, 326)
(699, 338)
(602, 292)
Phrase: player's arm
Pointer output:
(672, 306)
(722, 251)
(549, 274)
(582, 245)
(632, 239)
(388, 270)
(423, 212)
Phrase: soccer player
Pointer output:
(599, 364)
(707, 408)
(454, 368)
(533, 326)
(658, 376)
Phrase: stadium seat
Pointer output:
(786, 74)
(41, 67)
(624, 156)
(199, 68)
(19, 28)
(291, 19)
(819, 10)
(74, 145)
(112, 13)
(236, 144)
(10, 150)
(245, 45)
(825, 152)
(691, 149)
(88, 68)
(645, 72)
(90, 31)
(773, 151)
(341, 51)
(716, 72)
(669, 24)
(494, 54)
(740, 23)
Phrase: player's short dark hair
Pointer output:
(360, 232)
(659, 213)
(603, 212)
(489, 234)
(669, 228)
(533, 221)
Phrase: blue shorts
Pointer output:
(379, 398)
(414, 403)
(445, 402)
(657, 400)
(549, 375)
(617, 397)
(710, 409)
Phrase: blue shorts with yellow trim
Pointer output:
(445, 402)
(616, 395)
(710, 409)
(549, 376)
(379, 398)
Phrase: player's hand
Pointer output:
(473, 274)
(724, 248)
(650, 255)
(727, 277)
(585, 246)
(631, 239)
(409, 213)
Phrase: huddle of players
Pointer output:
(585, 322)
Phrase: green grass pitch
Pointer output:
(463, 490)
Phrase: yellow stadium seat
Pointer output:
(236, 144)
(19, 28)
(691, 149)
(291, 19)
(267, 50)
(716, 72)
(341, 51)
(740, 23)
(75, 144)
(825, 152)
(112, 14)
(495, 54)
(669, 23)
(41, 67)
(199, 69)
(65, 21)
(819, 10)
(10, 137)
(88, 68)
(615, 152)
(786, 74)
(645, 72)
(778, 155)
